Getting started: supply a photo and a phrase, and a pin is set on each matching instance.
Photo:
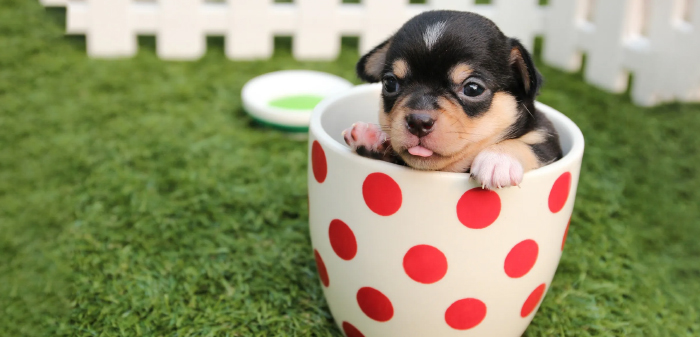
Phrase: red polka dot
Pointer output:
(382, 194)
(566, 232)
(532, 301)
(318, 162)
(351, 331)
(521, 258)
(321, 267)
(560, 192)
(425, 264)
(375, 304)
(465, 314)
(478, 208)
(342, 240)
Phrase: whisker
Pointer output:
(528, 110)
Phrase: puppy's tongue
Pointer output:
(420, 151)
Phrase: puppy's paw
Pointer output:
(495, 170)
(366, 139)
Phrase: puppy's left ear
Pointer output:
(371, 65)
(529, 79)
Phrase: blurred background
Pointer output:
(138, 198)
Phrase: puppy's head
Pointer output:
(452, 85)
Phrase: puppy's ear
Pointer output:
(370, 66)
(529, 79)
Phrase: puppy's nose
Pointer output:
(419, 124)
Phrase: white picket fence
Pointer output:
(657, 40)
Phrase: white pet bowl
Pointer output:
(402, 252)
(259, 92)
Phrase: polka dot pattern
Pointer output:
(342, 240)
(521, 258)
(319, 165)
(382, 194)
(532, 301)
(351, 331)
(465, 314)
(425, 264)
(321, 267)
(375, 304)
(412, 253)
(560, 192)
(478, 208)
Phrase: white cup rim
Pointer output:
(330, 144)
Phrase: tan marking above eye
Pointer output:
(460, 72)
(400, 68)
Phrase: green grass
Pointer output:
(136, 198)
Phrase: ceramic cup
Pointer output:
(402, 252)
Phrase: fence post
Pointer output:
(180, 35)
(604, 44)
(317, 34)
(383, 18)
(249, 33)
(669, 68)
(455, 5)
(48, 3)
(562, 20)
(568, 32)
(691, 40)
(109, 32)
(521, 19)
(683, 59)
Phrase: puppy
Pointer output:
(457, 96)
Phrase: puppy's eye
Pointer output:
(391, 85)
(473, 89)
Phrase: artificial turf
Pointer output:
(137, 199)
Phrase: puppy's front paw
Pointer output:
(495, 170)
(366, 139)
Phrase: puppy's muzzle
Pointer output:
(419, 124)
